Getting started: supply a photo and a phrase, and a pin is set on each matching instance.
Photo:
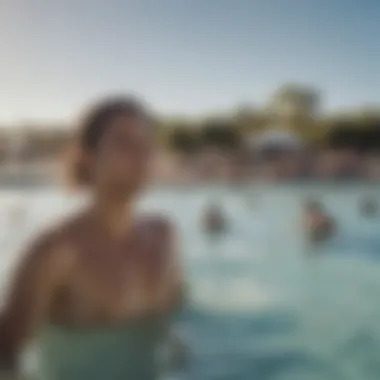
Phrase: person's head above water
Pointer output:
(313, 206)
(113, 148)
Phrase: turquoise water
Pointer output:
(264, 305)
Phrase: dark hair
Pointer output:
(92, 128)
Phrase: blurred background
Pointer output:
(268, 158)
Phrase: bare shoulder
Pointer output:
(53, 244)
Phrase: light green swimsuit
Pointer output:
(123, 352)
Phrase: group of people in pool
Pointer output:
(319, 224)
(100, 291)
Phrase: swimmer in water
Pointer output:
(99, 292)
(369, 207)
(214, 222)
(318, 224)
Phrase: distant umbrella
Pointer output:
(276, 139)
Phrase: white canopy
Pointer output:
(276, 138)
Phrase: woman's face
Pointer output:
(122, 160)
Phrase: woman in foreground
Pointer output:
(98, 292)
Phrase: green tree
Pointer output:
(295, 101)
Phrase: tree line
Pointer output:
(294, 108)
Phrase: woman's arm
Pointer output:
(36, 279)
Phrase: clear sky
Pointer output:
(183, 56)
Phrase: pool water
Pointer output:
(264, 304)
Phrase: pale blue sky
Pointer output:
(183, 56)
